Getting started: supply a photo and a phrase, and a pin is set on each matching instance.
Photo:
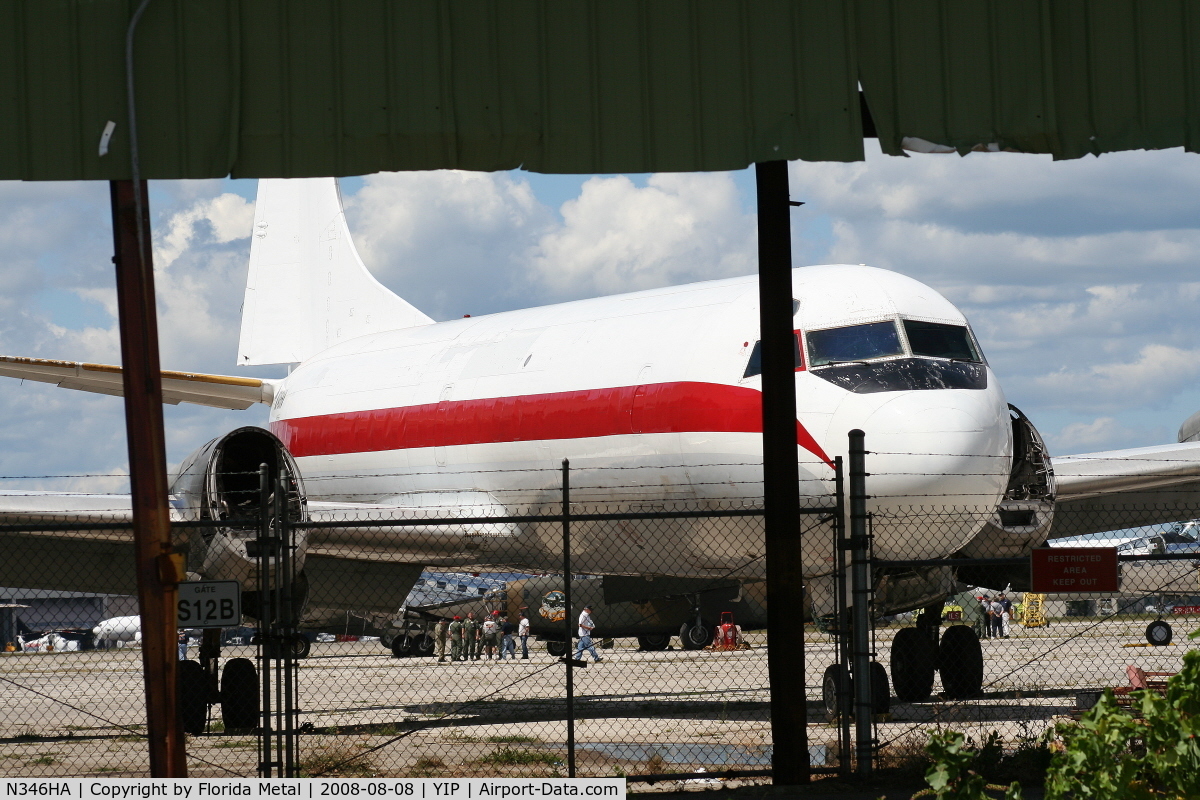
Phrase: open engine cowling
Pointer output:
(220, 482)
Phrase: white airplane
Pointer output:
(109, 632)
(654, 396)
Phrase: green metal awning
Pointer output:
(259, 88)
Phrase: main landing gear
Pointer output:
(917, 654)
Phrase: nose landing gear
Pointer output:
(917, 654)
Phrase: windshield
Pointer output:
(939, 340)
(853, 343)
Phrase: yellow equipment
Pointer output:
(1035, 610)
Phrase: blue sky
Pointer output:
(1079, 277)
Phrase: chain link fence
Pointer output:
(431, 642)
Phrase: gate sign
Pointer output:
(1074, 569)
(209, 604)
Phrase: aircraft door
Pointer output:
(443, 418)
(638, 405)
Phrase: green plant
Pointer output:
(951, 778)
(513, 740)
(509, 756)
(336, 760)
(1150, 753)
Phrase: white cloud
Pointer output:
(1101, 433)
(618, 237)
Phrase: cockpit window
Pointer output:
(754, 365)
(938, 340)
(853, 343)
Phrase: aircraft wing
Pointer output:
(1126, 488)
(220, 391)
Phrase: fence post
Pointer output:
(860, 583)
(841, 616)
(264, 604)
(569, 657)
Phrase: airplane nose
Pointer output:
(942, 455)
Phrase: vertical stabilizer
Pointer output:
(307, 288)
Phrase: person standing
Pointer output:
(507, 643)
(997, 611)
(182, 642)
(456, 639)
(490, 633)
(586, 626)
(1005, 615)
(471, 636)
(985, 608)
(523, 632)
(439, 632)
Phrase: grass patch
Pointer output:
(513, 740)
(42, 761)
(508, 756)
(236, 744)
(427, 767)
(336, 760)
(458, 736)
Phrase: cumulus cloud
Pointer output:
(617, 236)
(1102, 433)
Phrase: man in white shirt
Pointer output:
(586, 626)
(523, 632)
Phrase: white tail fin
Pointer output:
(307, 288)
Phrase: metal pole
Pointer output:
(570, 657)
(860, 581)
(264, 535)
(287, 625)
(781, 478)
(842, 616)
(158, 570)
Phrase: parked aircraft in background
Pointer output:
(109, 632)
(654, 396)
(685, 608)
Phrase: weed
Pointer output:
(458, 736)
(42, 761)
(513, 740)
(427, 767)
(236, 744)
(655, 764)
(507, 756)
(335, 759)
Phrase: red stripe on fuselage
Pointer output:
(682, 407)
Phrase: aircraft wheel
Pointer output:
(836, 680)
(695, 637)
(424, 646)
(239, 695)
(881, 693)
(913, 661)
(556, 648)
(960, 660)
(386, 640)
(1158, 633)
(402, 646)
(654, 641)
(301, 646)
(193, 696)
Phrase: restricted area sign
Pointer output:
(209, 604)
(1074, 569)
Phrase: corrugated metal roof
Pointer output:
(318, 87)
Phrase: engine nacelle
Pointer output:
(220, 482)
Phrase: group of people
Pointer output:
(997, 612)
(494, 635)
(472, 639)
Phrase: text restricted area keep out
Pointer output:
(1074, 569)
(403, 788)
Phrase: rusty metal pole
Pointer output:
(158, 571)
(781, 479)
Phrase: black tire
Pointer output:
(402, 646)
(695, 637)
(424, 646)
(836, 679)
(193, 696)
(913, 660)
(960, 660)
(386, 640)
(1159, 633)
(881, 693)
(301, 646)
(557, 649)
(654, 641)
(239, 695)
